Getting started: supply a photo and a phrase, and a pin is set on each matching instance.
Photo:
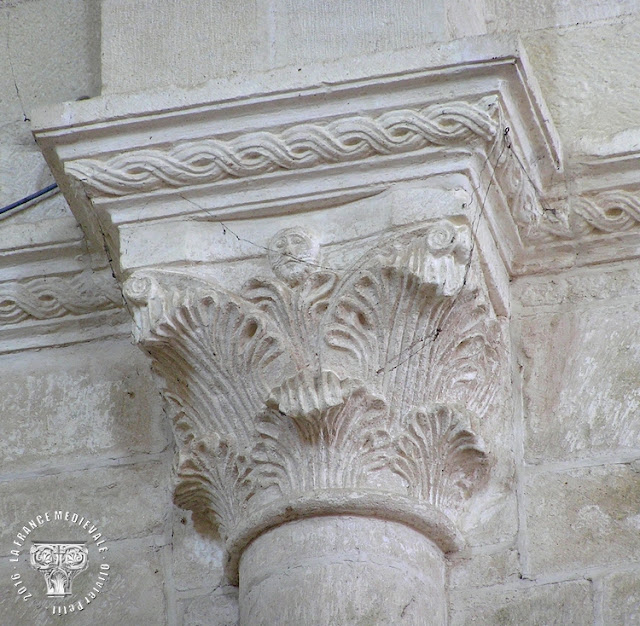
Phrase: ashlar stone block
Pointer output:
(126, 502)
(316, 31)
(197, 554)
(64, 65)
(599, 58)
(581, 382)
(563, 604)
(132, 593)
(484, 568)
(583, 518)
(622, 599)
(63, 406)
(157, 43)
(217, 609)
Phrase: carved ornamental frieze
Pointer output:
(320, 390)
(53, 297)
(301, 146)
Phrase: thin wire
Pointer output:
(26, 199)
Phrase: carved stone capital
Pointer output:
(320, 391)
(337, 399)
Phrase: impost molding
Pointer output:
(256, 152)
(50, 292)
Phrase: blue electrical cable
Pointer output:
(33, 196)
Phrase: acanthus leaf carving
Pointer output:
(464, 360)
(322, 380)
(214, 352)
(308, 394)
(440, 458)
(212, 480)
(333, 450)
(436, 327)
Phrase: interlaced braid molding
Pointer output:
(297, 147)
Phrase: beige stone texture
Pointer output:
(588, 77)
(524, 16)
(582, 518)
(78, 406)
(18, 152)
(50, 52)
(152, 44)
(588, 286)
(621, 601)
(492, 518)
(132, 594)
(316, 30)
(391, 575)
(562, 604)
(495, 565)
(197, 554)
(126, 501)
(225, 40)
(581, 370)
(219, 608)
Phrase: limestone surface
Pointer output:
(380, 261)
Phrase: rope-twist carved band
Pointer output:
(297, 147)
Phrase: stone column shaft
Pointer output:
(342, 570)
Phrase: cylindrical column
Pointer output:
(342, 569)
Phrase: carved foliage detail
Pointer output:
(322, 380)
(214, 353)
(213, 479)
(334, 449)
(440, 458)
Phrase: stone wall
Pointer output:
(556, 538)
(582, 53)
(575, 557)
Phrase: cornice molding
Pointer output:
(59, 310)
(598, 213)
(246, 153)
(51, 297)
(49, 293)
(314, 382)
(307, 145)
